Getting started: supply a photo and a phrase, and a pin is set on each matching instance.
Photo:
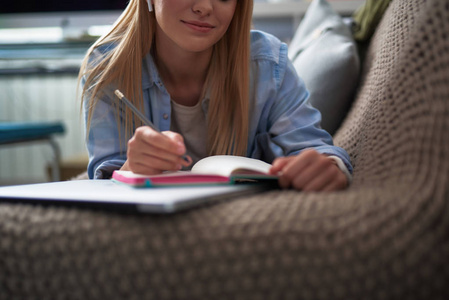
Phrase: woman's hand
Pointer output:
(150, 152)
(309, 171)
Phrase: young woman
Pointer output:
(212, 86)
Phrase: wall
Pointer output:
(39, 98)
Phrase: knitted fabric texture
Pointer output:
(386, 237)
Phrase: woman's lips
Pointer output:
(199, 26)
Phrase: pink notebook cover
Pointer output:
(175, 179)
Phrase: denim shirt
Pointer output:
(282, 122)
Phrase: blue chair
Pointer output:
(24, 132)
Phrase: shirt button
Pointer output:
(165, 116)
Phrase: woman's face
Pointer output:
(192, 25)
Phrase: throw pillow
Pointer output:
(325, 56)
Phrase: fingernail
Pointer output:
(181, 148)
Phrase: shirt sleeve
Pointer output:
(341, 165)
(106, 144)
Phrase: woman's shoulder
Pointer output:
(265, 46)
(100, 51)
(106, 47)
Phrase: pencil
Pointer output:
(140, 114)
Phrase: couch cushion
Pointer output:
(325, 57)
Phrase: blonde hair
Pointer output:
(227, 83)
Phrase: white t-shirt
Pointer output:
(190, 122)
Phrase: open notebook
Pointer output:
(212, 170)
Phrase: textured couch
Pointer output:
(386, 237)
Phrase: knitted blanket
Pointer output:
(386, 237)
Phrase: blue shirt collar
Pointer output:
(150, 74)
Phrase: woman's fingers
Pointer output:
(309, 171)
(168, 142)
(325, 174)
(278, 164)
(150, 152)
(145, 163)
(292, 169)
(301, 169)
